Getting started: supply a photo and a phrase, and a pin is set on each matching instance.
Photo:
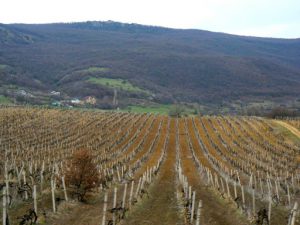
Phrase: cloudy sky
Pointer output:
(266, 18)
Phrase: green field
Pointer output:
(278, 129)
(116, 83)
(157, 109)
(95, 69)
(2, 66)
(4, 100)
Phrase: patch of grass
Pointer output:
(116, 83)
(3, 66)
(4, 100)
(11, 86)
(95, 69)
(288, 135)
(156, 109)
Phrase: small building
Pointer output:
(22, 92)
(90, 100)
(56, 103)
(55, 93)
(76, 101)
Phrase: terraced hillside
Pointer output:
(153, 169)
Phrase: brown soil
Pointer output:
(215, 210)
(161, 207)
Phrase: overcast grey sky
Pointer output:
(266, 18)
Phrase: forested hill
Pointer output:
(171, 64)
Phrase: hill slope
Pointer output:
(175, 65)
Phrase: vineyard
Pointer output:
(152, 169)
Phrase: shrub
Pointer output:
(281, 112)
(176, 111)
(82, 175)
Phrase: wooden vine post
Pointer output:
(253, 201)
(114, 205)
(294, 213)
(270, 208)
(131, 193)
(64, 187)
(193, 206)
(4, 206)
(53, 195)
(235, 191)
(24, 179)
(6, 177)
(289, 196)
(243, 195)
(104, 209)
(124, 196)
(42, 180)
(199, 213)
(34, 199)
(228, 190)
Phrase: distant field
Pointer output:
(157, 109)
(116, 83)
(2, 66)
(4, 100)
(95, 70)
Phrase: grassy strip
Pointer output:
(286, 133)
(116, 83)
(157, 109)
(95, 69)
(4, 100)
(3, 66)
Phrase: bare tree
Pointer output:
(82, 175)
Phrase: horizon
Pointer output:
(280, 19)
(150, 25)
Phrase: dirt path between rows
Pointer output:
(292, 129)
(216, 211)
(161, 207)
